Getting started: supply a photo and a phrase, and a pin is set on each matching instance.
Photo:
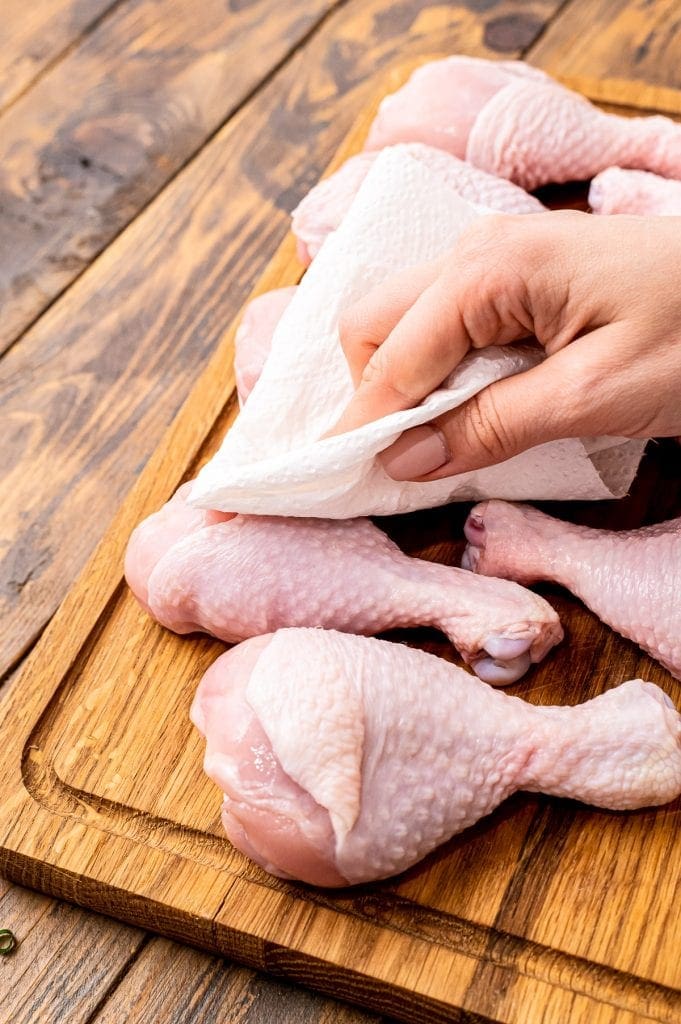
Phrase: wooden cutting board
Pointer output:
(546, 911)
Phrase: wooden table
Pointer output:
(149, 153)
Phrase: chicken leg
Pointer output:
(324, 207)
(514, 121)
(344, 759)
(248, 575)
(253, 339)
(631, 579)
(638, 192)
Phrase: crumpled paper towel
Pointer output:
(272, 461)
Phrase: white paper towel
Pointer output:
(272, 461)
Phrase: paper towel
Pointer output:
(272, 461)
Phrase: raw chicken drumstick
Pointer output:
(156, 534)
(631, 579)
(344, 759)
(514, 121)
(323, 208)
(639, 192)
(253, 338)
(249, 575)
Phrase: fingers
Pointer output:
(567, 278)
(394, 379)
(411, 332)
(542, 404)
(366, 325)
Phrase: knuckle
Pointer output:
(510, 278)
(484, 428)
(487, 230)
(374, 372)
(493, 236)
(511, 240)
(361, 334)
(381, 374)
(498, 246)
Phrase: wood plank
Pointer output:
(89, 390)
(569, 918)
(97, 137)
(34, 35)
(66, 961)
(183, 986)
(628, 57)
(74, 965)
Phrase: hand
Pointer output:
(602, 295)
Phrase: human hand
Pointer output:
(601, 295)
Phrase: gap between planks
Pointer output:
(182, 166)
(56, 58)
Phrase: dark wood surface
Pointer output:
(149, 157)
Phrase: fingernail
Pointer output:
(418, 451)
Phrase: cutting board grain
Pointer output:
(546, 911)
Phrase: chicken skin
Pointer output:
(512, 120)
(630, 579)
(324, 207)
(248, 575)
(253, 339)
(344, 759)
(638, 192)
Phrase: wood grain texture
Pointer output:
(35, 34)
(100, 133)
(629, 57)
(77, 966)
(514, 832)
(66, 960)
(544, 911)
(88, 391)
(172, 983)
(71, 964)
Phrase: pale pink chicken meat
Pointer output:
(324, 207)
(630, 579)
(344, 759)
(440, 102)
(516, 122)
(253, 338)
(639, 192)
(249, 575)
(156, 534)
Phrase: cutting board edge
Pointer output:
(295, 959)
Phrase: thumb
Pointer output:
(564, 396)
